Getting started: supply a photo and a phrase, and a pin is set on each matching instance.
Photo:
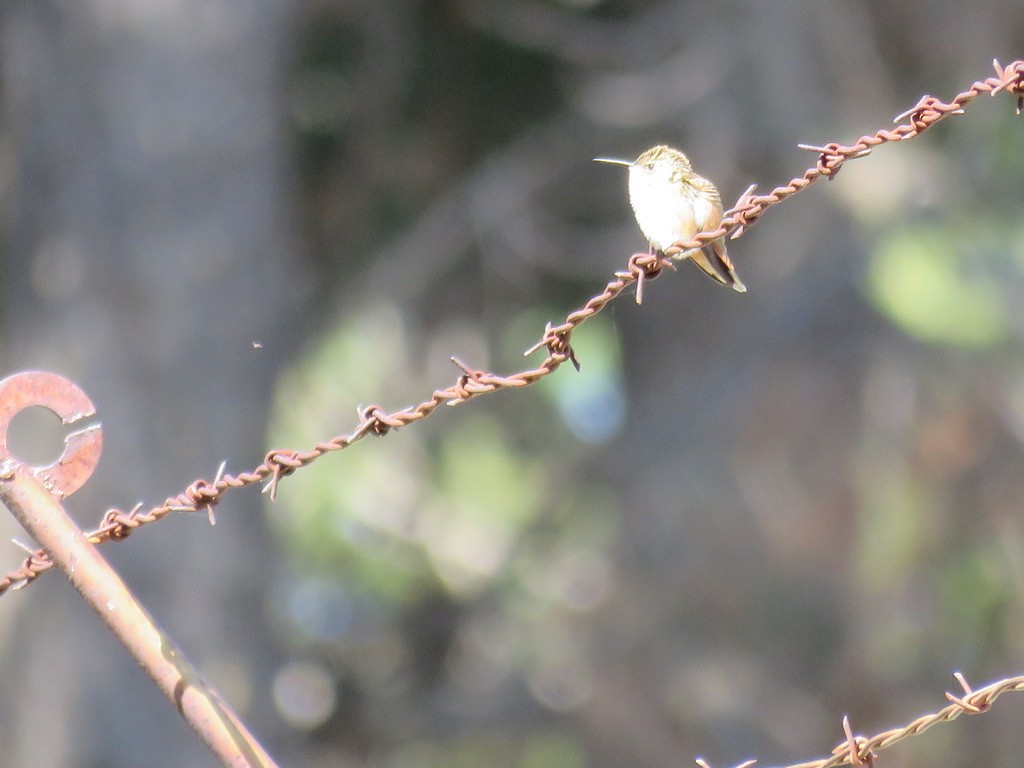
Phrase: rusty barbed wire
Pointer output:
(860, 750)
(279, 463)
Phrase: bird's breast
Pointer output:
(663, 208)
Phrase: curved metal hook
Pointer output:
(63, 397)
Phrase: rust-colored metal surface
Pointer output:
(81, 448)
(33, 495)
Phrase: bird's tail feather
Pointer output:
(717, 248)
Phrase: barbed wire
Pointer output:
(279, 463)
(860, 751)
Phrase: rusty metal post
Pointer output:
(32, 494)
(45, 519)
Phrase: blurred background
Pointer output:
(233, 222)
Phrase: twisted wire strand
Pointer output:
(860, 751)
(279, 463)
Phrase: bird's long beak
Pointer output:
(613, 161)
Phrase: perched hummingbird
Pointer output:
(672, 204)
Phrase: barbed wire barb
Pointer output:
(745, 764)
(857, 754)
(211, 503)
(965, 701)
(23, 546)
(279, 463)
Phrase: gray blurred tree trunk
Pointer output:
(145, 176)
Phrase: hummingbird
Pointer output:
(672, 204)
